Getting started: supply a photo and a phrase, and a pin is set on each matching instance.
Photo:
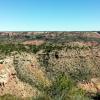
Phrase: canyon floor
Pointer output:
(49, 65)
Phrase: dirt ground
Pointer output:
(12, 85)
(93, 86)
(34, 42)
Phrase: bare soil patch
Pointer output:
(34, 42)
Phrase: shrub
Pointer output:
(64, 88)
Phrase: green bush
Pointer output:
(63, 88)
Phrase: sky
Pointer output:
(49, 15)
